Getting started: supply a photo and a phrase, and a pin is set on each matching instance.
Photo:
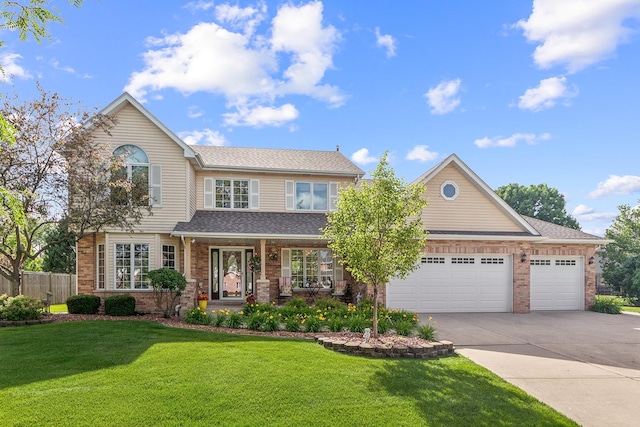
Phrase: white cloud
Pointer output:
(422, 154)
(578, 33)
(232, 59)
(617, 185)
(194, 112)
(548, 92)
(444, 97)
(9, 62)
(261, 116)
(586, 213)
(195, 6)
(511, 141)
(247, 18)
(203, 137)
(386, 41)
(362, 157)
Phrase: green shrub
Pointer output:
(404, 327)
(235, 320)
(120, 305)
(428, 330)
(608, 305)
(195, 316)
(83, 304)
(219, 318)
(271, 323)
(298, 303)
(336, 324)
(167, 285)
(384, 324)
(357, 323)
(329, 303)
(256, 321)
(20, 308)
(292, 324)
(312, 324)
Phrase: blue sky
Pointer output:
(526, 92)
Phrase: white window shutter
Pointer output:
(208, 193)
(285, 262)
(333, 195)
(289, 190)
(337, 269)
(254, 194)
(155, 185)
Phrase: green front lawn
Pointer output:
(58, 308)
(126, 373)
(631, 308)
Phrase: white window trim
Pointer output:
(287, 271)
(104, 266)
(132, 261)
(175, 256)
(444, 196)
(210, 193)
(290, 195)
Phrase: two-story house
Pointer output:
(214, 209)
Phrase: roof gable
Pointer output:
(126, 99)
(478, 209)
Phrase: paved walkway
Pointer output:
(585, 365)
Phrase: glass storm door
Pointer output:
(232, 279)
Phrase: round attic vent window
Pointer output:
(449, 190)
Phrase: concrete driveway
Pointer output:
(585, 365)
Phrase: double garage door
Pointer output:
(455, 284)
(480, 283)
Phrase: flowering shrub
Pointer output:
(202, 296)
(20, 308)
(428, 331)
(608, 305)
(250, 299)
(195, 316)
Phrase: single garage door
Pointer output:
(557, 283)
(470, 283)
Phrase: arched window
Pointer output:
(146, 179)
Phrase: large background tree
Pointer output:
(377, 229)
(538, 201)
(53, 173)
(621, 260)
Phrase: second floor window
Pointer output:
(146, 179)
(311, 196)
(223, 193)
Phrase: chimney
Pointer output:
(337, 148)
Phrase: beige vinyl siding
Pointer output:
(272, 191)
(133, 128)
(155, 242)
(472, 210)
(191, 186)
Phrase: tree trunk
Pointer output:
(375, 311)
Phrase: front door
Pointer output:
(233, 275)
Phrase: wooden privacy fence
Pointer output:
(36, 284)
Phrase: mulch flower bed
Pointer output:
(385, 345)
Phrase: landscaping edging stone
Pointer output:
(5, 323)
(422, 351)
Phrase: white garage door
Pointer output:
(472, 283)
(556, 283)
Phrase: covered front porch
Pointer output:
(230, 256)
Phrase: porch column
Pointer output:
(262, 284)
(263, 251)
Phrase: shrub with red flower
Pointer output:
(202, 296)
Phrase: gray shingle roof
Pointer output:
(258, 223)
(277, 160)
(558, 232)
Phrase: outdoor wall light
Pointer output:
(523, 257)
(591, 260)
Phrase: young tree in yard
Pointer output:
(538, 201)
(621, 261)
(377, 229)
(55, 170)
